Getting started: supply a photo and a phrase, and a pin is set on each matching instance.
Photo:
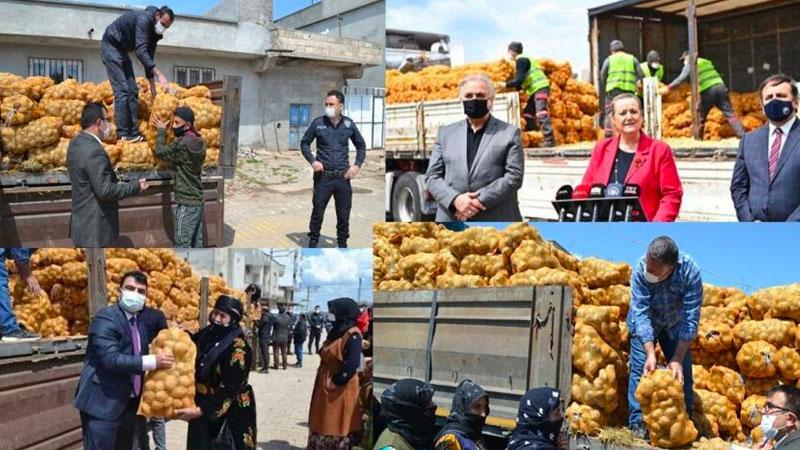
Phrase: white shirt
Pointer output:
(785, 128)
(148, 361)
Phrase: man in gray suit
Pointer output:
(766, 178)
(94, 221)
(477, 164)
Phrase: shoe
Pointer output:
(342, 244)
(640, 431)
(313, 244)
(263, 371)
(21, 336)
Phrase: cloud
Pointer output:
(338, 267)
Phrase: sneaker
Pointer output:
(21, 336)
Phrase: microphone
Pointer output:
(613, 190)
(597, 191)
(630, 190)
(563, 193)
(581, 192)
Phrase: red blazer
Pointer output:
(653, 169)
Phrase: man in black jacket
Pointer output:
(96, 192)
(280, 335)
(139, 32)
(315, 322)
(265, 337)
(299, 334)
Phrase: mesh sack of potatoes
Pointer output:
(206, 114)
(725, 314)
(599, 273)
(714, 336)
(164, 106)
(449, 280)
(10, 84)
(75, 274)
(715, 443)
(39, 133)
(418, 244)
(48, 276)
(750, 414)
(708, 402)
(483, 265)
(17, 110)
(701, 377)
(756, 359)
(66, 90)
(784, 302)
(604, 319)
(664, 410)
(67, 110)
(709, 360)
(600, 392)
(590, 353)
(210, 136)
(54, 327)
(167, 390)
(196, 91)
(52, 157)
(409, 265)
(707, 425)
(212, 157)
(136, 154)
(150, 134)
(59, 256)
(476, 241)
(518, 232)
(116, 267)
(35, 87)
(727, 382)
(533, 255)
(787, 361)
(114, 152)
(585, 419)
(616, 295)
(780, 333)
(759, 386)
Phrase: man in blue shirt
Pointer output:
(666, 294)
(332, 169)
(9, 327)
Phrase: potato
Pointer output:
(585, 419)
(171, 388)
(756, 359)
(600, 393)
(664, 409)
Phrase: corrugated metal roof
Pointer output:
(704, 7)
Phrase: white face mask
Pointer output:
(133, 302)
(656, 65)
(330, 112)
(105, 131)
(160, 28)
(651, 278)
(768, 426)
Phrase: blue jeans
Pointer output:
(298, 352)
(638, 357)
(8, 321)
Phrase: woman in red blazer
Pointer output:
(631, 157)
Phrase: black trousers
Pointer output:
(119, 69)
(315, 336)
(264, 345)
(101, 434)
(340, 189)
(280, 350)
(718, 96)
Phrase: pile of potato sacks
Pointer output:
(677, 115)
(39, 118)
(745, 344)
(573, 103)
(62, 307)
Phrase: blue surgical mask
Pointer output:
(132, 302)
(768, 426)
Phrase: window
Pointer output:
(365, 107)
(57, 69)
(188, 76)
(299, 120)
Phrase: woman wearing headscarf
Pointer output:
(226, 405)
(408, 410)
(335, 421)
(539, 422)
(465, 423)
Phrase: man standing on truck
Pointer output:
(10, 329)
(765, 185)
(186, 154)
(666, 294)
(332, 169)
(713, 92)
(112, 378)
(620, 73)
(530, 78)
(96, 192)
(483, 186)
(139, 32)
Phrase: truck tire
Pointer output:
(406, 201)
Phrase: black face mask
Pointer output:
(475, 422)
(476, 108)
(778, 110)
(179, 131)
(552, 428)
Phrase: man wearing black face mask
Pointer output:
(187, 154)
(765, 186)
(484, 187)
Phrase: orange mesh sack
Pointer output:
(167, 390)
(664, 408)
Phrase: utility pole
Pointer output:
(269, 276)
(359, 290)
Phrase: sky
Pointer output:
(748, 256)
(280, 8)
(556, 29)
(333, 273)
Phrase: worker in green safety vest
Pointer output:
(713, 92)
(652, 67)
(530, 78)
(621, 73)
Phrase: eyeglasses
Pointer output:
(770, 406)
(142, 291)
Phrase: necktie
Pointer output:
(137, 350)
(774, 153)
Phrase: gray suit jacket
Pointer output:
(754, 196)
(496, 173)
(94, 221)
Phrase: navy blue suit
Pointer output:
(754, 196)
(105, 390)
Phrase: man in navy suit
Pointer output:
(113, 374)
(766, 178)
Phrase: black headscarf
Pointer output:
(214, 339)
(346, 311)
(534, 429)
(405, 410)
(460, 418)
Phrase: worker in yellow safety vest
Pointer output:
(621, 73)
(713, 92)
(652, 67)
(530, 78)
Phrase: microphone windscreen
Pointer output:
(598, 191)
(632, 190)
(564, 192)
(581, 191)
(614, 190)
